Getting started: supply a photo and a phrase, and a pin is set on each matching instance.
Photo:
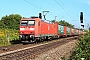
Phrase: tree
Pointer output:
(1, 24)
(89, 29)
(52, 20)
(11, 21)
(64, 23)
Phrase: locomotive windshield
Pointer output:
(28, 23)
(31, 22)
(24, 23)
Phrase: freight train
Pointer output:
(34, 28)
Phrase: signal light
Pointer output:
(81, 21)
(81, 17)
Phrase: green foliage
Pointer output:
(12, 34)
(1, 24)
(53, 21)
(64, 23)
(9, 25)
(63, 58)
(89, 29)
(83, 48)
(11, 21)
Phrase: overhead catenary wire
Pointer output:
(72, 12)
(87, 23)
(63, 8)
(37, 6)
(32, 4)
(42, 9)
(67, 8)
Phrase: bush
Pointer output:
(7, 34)
(82, 51)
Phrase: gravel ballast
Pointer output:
(58, 52)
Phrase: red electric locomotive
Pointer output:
(32, 29)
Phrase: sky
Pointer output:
(68, 10)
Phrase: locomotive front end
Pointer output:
(27, 30)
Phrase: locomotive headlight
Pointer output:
(31, 28)
(31, 36)
(20, 36)
(22, 28)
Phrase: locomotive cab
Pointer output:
(28, 29)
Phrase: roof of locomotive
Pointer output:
(31, 18)
(36, 18)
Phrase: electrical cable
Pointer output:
(63, 8)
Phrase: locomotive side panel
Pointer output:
(44, 28)
(47, 29)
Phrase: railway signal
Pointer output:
(81, 17)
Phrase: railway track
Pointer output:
(32, 51)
